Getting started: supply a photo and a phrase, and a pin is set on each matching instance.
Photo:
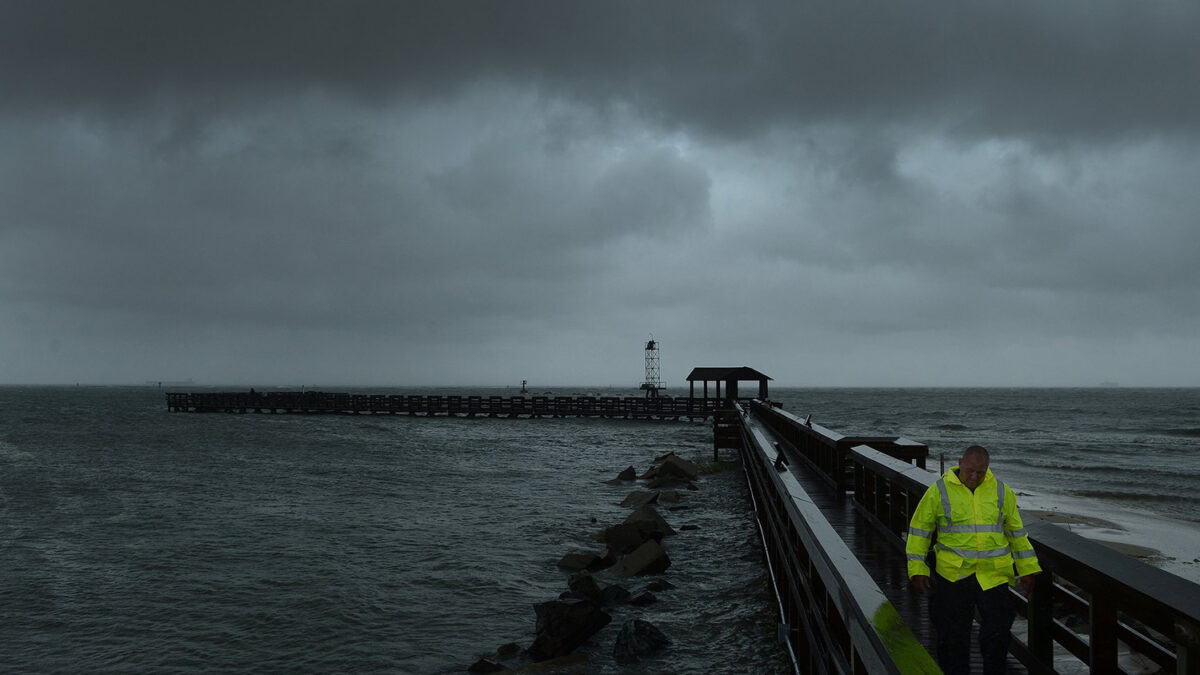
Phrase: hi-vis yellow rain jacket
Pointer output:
(978, 532)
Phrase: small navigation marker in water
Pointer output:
(523, 389)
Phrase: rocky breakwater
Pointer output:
(607, 581)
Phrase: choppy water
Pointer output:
(1134, 448)
(137, 540)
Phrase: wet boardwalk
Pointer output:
(882, 559)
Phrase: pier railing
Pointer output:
(836, 619)
(1089, 600)
(1092, 606)
(317, 402)
(828, 451)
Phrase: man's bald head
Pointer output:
(977, 451)
(973, 466)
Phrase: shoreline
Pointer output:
(1166, 543)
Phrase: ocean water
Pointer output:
(137, 540)
(1127, 448)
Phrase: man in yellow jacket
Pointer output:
(980, 539)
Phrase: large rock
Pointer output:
(647, 518)
(625, 537)
(643, 598)
(670, 496)
(675, 466)
(640, 498)
(615, 595)
(585, 584)
(486, 666)
(629, 473)
(563, 625)
(649, 558)
(585, 561)
(638, 639)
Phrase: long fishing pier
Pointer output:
(316, 402)
(832, 512)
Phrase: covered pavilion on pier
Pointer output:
(730, 376)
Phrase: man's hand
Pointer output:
(1027, 583)
(920, 582)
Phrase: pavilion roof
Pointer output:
(740, 373)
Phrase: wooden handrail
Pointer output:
(1154, 612)
(836, 619)
(828, 451)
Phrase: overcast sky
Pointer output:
(427, 193)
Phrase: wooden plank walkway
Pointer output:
(883, 561)
(315, 402)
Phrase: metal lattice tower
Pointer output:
(653, 383)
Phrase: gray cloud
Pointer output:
(414, 193)
(1062, 69)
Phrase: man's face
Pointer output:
(972, 469)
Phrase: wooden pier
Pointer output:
(316, 402)
(833, 511)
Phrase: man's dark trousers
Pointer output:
(952, 607)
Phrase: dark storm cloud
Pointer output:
(865, 193)
(1052, 69)
(298, 225)
(649, 192)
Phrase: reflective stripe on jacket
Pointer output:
(978, 532)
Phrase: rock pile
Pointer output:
(632, 548)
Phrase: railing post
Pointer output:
(1040, 616)
(1102, 649)
(1187, 649)
(898, 516)
(860, 485)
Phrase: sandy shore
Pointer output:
(1172, 545)
(1144, 553)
